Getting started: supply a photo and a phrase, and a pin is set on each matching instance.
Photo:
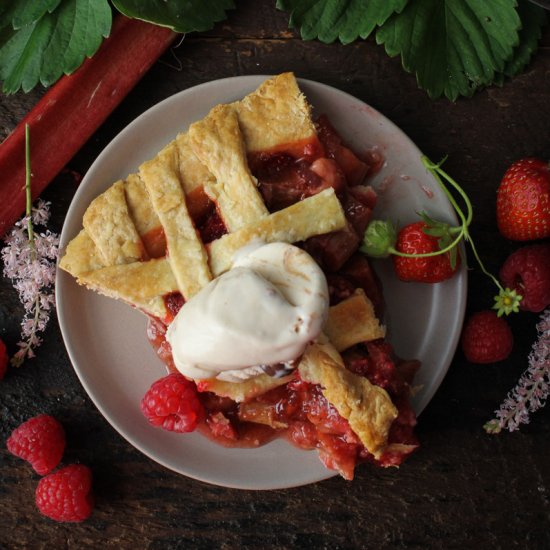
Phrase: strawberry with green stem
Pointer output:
(440, 242)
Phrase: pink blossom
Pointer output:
(533, 387)
(31, 267)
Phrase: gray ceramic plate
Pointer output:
(106, 340)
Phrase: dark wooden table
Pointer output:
(462, 489)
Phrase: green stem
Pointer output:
(437, 172)
(28, 191)
(429, 254)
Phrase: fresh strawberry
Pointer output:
(413, 239)
(527, 271)
(523, 201)
(486, 338)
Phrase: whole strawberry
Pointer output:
(66, 495)
(527, 271)
(523, 201)
(40, 441)
(486, 338)
(413, 239)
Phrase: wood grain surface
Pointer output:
(462, 489)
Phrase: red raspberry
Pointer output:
(486, 338)
(40, 441)
(527, 270)
(66, 495)
(4, 359)
(172, 404)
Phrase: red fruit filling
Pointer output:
(298, 410)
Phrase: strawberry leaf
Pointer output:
(179, 15)
(53, 44)
(533, 18)
(29, 11)
(379, 239)
(453, 46)
(345, 20)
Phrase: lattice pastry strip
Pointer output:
(108, 223)
(276, 114)
(186, 253)
(297, 224)
(315, 215)
(81, 256)
(217, 141)
(353, 321)
(141, 284)
(368, 408)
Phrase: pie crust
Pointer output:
(141, 242)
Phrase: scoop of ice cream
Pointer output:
(263, 311)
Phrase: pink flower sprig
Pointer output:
(533, 387)
(29, 260)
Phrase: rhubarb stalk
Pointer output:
(71, 111)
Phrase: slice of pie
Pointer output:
(240, 239)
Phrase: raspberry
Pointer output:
(4, 359)
(527, 270)
(41, 441)
(172, 404)
(66, 494)
(486, 338)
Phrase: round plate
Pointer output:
(106, 340)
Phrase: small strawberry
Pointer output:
(422, 252)
(486, 338)
(414, 239)
(523, 201)
(527, 271)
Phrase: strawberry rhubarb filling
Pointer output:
(258, 317)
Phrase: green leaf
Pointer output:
(453, 46)
(29, 11)
(533, 18)
(346, 20)
(54, 44)
(379, 239)
(179, 15)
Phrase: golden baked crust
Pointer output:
(318, 214)
(139, 205)
(245, 390)
(109, 225)
(353, 321)
(217, 142)
(140, 284)
(276, 113)
(186, 252)
(193, 173)
(368, 408)
(81, 256)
